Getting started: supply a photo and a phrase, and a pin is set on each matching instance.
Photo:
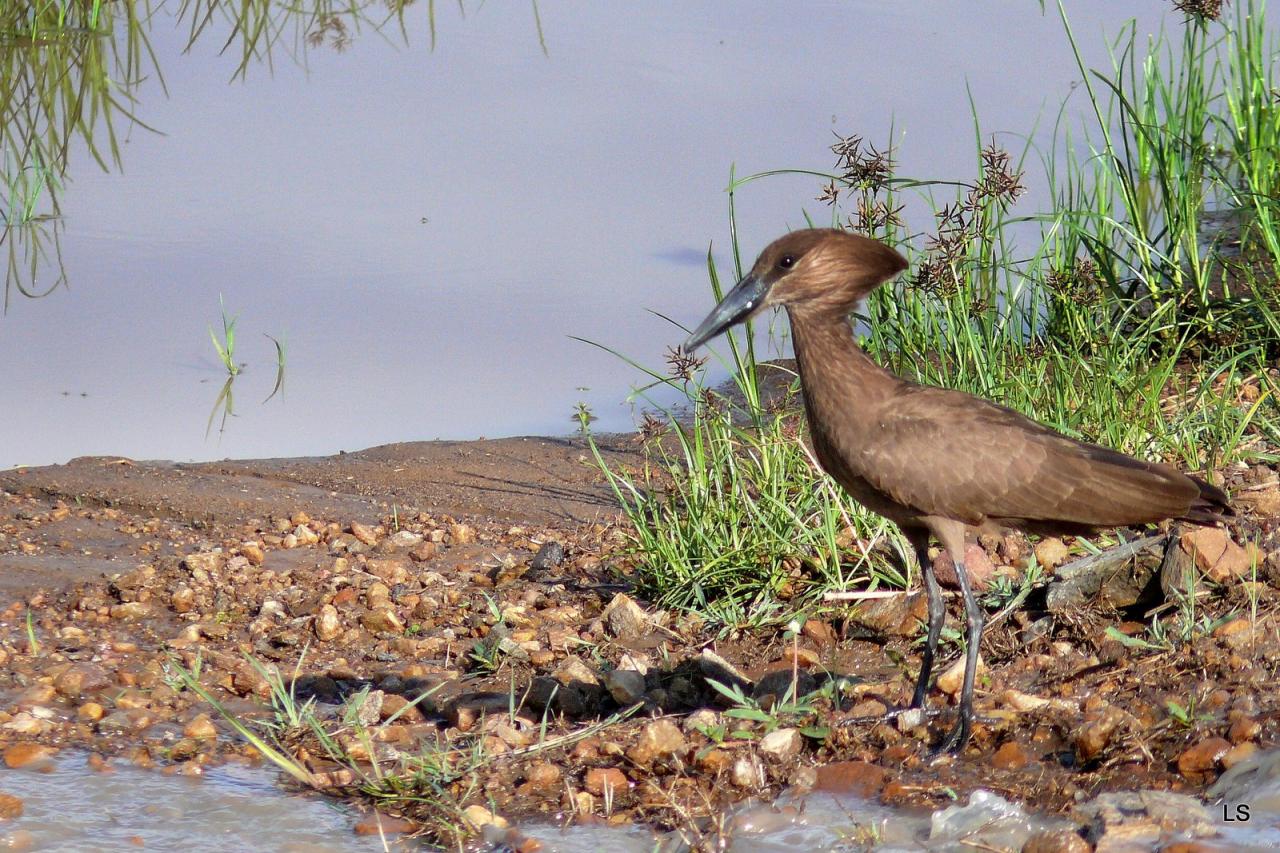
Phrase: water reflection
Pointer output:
(564, 194)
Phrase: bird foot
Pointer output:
(955, 740)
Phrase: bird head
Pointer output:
(818, 270)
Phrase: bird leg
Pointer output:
(937, 614)
(959, 736)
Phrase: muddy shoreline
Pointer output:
(488, 575)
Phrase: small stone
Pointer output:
(601, 779)
(204, 563)
(91, 712)
(781, 744)
(10, 807)
(382, 620)
(462, 534)
(550, 555)
(27, 754)
(27, 723)
(1055, 841)
(81, 678)
(659, 739)
(200, 727)
(1011, 756)
(978, 568)
(1201, 760)
(952, 679)
(1244, 729)
(1051, 552)
(132, 611)
(625, 686)
(820, 632)
(625, 619)
(1238, 753)
(543, 774)
(390, 571)
(253, 553)
(183, 599)
(859, 778)
(748, 772)
(1094, 735)
(364, 533)
(381, 824)
(1216, 554)
(424, 551)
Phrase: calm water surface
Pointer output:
(425, 229)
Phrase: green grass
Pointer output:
(1125, 322)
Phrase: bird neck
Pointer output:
(833, 368)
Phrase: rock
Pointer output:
(1011, 756)
(10, 807)
(200, 727)
(252, 552)
(1093, 736)
(1244, 728)
(703, 718)
(781, 744)
(573, 671)
(1215, 554)
(462, 534)
(90, 712)
(132, 611)
(480, 817)
(327, 624)
(543, 774)
(895, 616)
(28, 754)
(1117, 577)
(81, 678)
(550, 555)
(404, 539)
(390, 571)
(819, 632)
(1238, 753)
(717, 668)
(26, 723)
(1056, 841)
(601, 779)
(977, 564)
(364, 533)
(1200, 761)
(382, 620)
(380, 824)
(466, 709)
(424, 551)
(625, 619)
(1051, 552)
(748, 772)
(952, 679)
(183, 599)
(658, 739)
(859, 778)
(203, 564)
(625, 686)
(1142, 818)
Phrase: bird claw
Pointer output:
(955, 740)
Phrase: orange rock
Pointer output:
(26, 754)
(860, 778)
(1216, 554)
(10, 807)
(380, 824)
(1011, 756)
(977, 564)
(1202, 759)
(600, 779)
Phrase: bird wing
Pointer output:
(952, 455)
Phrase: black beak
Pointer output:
(738, 304)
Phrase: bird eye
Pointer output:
(787, 262)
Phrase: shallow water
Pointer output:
(231, 808)
(425, 228)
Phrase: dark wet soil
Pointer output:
(491, 574)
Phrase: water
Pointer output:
(425, 230)
(231, 808)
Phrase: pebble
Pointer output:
(781, 744)
(543, 774)
(859, 778)
(382, 620)
(1051, 552)
(600, 779)
(658, 739)
(380, 824)
(462, 534)
(183, 599)
(10, 806)
(748, 772)
(625, 619)
(27, 754)
(201, 728)
(1011, 756)
(91, 712)
(978, 568)
(1092, 738)
(1201, 760)
(952, 679)
(625, 686)
(1056, 841)
(81, 678)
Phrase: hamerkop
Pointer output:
(932, 460)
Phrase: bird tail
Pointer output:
(1211, 506)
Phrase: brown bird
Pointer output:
(932, 460)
